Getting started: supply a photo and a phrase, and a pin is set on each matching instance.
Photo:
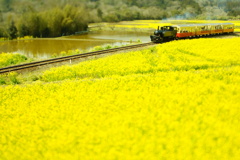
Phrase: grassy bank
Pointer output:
(8, 59)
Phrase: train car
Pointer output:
(203, 30)
(197, 30)
(164, 33)
(186, 30)
(216, 28)
(228, 28)
(190, 30)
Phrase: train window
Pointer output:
(218, 27)
(203, 28)
(164, 28)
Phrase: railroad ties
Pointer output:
(68, 58)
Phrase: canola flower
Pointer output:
(153, 24)
(25, 37)
(172, 101)
(9, 78)
(173, 56)
(7, 59)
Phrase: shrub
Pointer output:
(7, 59)
(2, 80)
(13, 78)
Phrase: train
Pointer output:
(167, 33)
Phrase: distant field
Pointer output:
(141, 25)
(178, 100)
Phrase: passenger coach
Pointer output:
(191, 30)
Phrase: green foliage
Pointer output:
(108, 46)
(233, 7)
(9, 79)
(2, 80)
(34, 77)
(12, 31)
(98, 48)
(7, 59)
(56, 18)
(13, 78)
(56, 21)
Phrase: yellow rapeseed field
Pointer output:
(153, 24)
(173, 56)
(174, 101)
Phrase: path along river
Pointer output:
(42, 48)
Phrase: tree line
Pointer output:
(46, 23)
(52, 18)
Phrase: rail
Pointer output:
(67, 58)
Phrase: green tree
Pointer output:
(55, 18)
(12, 31)
(23, 30)
(5, 5)
(233, 7)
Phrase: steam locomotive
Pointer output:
(167, 33)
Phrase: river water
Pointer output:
(42, 48)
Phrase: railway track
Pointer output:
(68, 58)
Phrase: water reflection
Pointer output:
(45, 48)
(123, 36)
